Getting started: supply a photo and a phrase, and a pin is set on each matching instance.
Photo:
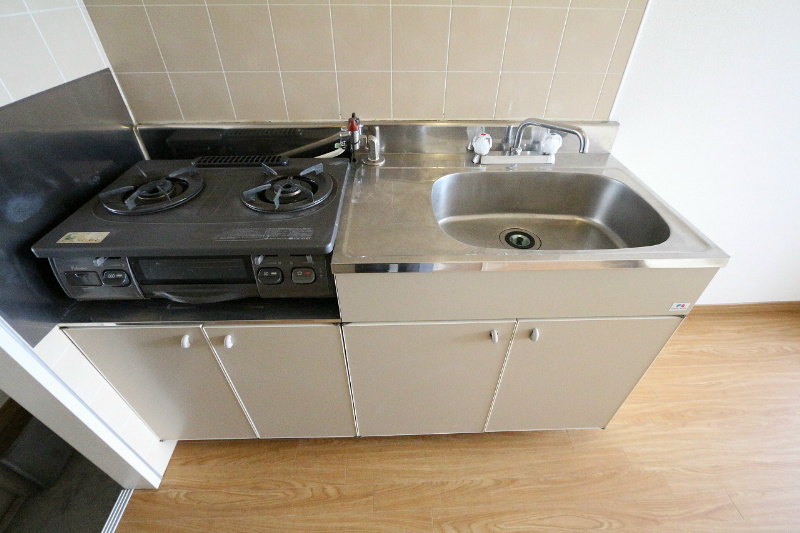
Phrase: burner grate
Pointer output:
(157, 193)
(281, 194)
(238, 161)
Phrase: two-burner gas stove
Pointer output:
(208, 230)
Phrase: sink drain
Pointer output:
(521, 239)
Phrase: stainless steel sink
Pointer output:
(544, 210)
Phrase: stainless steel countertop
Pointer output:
(388, 224)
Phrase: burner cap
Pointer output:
(154, 195)
(282, 194)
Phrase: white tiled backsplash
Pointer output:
(44, 43)
(305, 60)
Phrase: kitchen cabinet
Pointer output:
(574, 373)
(169, 376)
(292, 379)
(423, 378)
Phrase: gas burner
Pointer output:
(282, 194)
(156, 194)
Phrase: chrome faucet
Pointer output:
(516, 148)
(374, 156)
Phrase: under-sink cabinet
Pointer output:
(211, 382)
(574, 373)
(422, 378)
(469, 377)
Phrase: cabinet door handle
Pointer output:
(228, 341)
(535, 334)
(495, 336)
(186, 342)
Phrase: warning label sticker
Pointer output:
(83, 237)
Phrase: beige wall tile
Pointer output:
(486, 3)
(604, 4)
(127, 38)
(368, 94)
(293, 26)
(228, 2)
(311, 95)
(418, 95)
(150, 97)
(171, 2)
(419, 38)
(257, 95)
(203, 96)
(35, 5)
(296, 2)
(477, 37)
(533, 38)
(12, 7)
(607, 96)
(522, 95)
(26, 66)
(589, 40)
(244, 37)
(573, 96)
(542, 3)
(627, 36)
(637, 4)
(185, 38)
(112, 2)
(470, 95)
(359, 2)
(362, 37)
(421, 2)
(66, 33)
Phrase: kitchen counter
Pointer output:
(389, 224)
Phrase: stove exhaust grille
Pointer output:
(234, 161)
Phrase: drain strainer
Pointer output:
(521, 239)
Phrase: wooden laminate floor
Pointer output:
(709, 441)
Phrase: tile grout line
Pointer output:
(335, 66)
(221, 64)
(447, 59)
(46, 45)
(278, 60)
(95, 38)
(161, 55)
(610, 58)
(3, 85)
(555, 67)
(502, 60)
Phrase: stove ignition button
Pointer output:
(303, 275)
(270, 276)
(116, 278)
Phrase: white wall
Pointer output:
(709, 111)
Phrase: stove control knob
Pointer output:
(116, 278)
(303, 275)
(270, 276)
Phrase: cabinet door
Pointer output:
(169, 376)
(421, 378)
(577, 373)
(292, 379)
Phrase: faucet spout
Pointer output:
(516, 148)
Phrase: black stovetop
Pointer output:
(210, 215)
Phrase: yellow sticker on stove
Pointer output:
(83, 237)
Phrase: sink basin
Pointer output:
(544, 211)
